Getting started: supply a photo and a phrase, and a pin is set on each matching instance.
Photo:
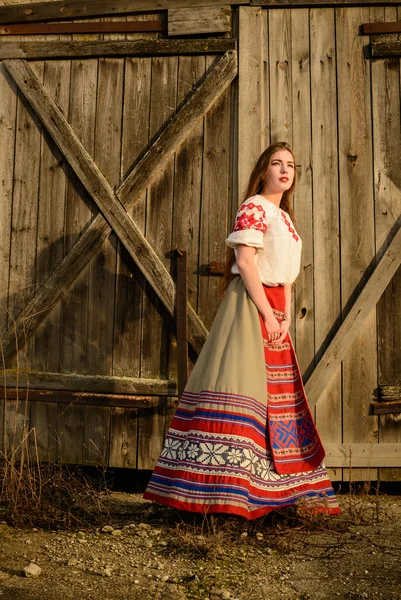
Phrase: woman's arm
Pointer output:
(247, 269)
(288, 298)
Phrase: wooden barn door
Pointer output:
(305, 77)
(117, 162)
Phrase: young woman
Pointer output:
(243, 440)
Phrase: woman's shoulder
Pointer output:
(270, 209)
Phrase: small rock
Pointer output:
(259, 536)
(116, 532)
(28, 541)
(72, 562)
(225, 595)
(81, 534)
(136, 581)
(107, 529)
(4, 575)
(32, 570)
(82, 541)
(106, 573)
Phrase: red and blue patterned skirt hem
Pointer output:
(226, 453)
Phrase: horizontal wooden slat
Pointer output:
(43, 50)
(392, 27)
(77, 9)
(350, 327)
(390, 392)
(76, 382)
(363, 455)
(385, 45)
(187, 21)
(387, 408)
(87, 27)
(86, 398)
(322, 3)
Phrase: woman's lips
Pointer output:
(283, 178)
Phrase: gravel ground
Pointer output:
(149, 552)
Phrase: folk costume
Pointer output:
(242, 440)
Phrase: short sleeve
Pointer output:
(250, 225)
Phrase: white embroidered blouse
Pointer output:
(269, 229)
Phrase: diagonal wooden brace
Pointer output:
(351, 326)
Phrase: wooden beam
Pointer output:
(87, 27)
(387, 408)
(187, 21)
(79, 9)
(148, 169)
(321, 3)
(390, 392)
(350, 327)
(85, 398)
(43, 50)
(363, 455)
(385, 45)
(76, 382)
(371, 28)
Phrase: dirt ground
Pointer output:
(149, 552)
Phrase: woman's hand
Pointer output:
(273, 328)
(276, 332)
(284, 327)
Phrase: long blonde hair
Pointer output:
(255, 186)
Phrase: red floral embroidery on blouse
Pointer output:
(250, 216)
(290, 229)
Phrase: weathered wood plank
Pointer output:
(129, 279)
(357, 248)
(8, 111)
(251, 92)
(387, 408)
(50, 236)
(42, 50)
(326, 229)
(215, 203)
(319, 3)
(70, 429)
(303, 301)
(155, 332)
(159, 222)
(386, 125)
(354, 320)
(123, 438)
(94, 400)
(187, 21)
(280, 84)
(187, 194)
(389, 392)
(91, 27)
(387, 27)
(45, 345)
(151, 434)
(146, 171)
(100, 384)
(385, 45)
(48, 11)
(363, 455)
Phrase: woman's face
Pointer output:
(280, 172)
